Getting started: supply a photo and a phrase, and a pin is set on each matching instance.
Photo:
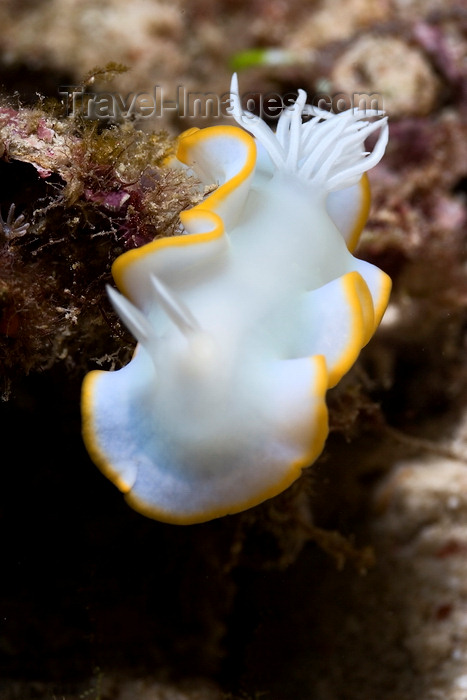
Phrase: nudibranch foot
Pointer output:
(244, 320)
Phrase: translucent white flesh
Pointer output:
(241, 331)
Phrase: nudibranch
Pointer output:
(244, 320)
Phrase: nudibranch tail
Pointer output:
(244, 320)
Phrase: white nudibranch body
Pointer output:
(244, 320)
